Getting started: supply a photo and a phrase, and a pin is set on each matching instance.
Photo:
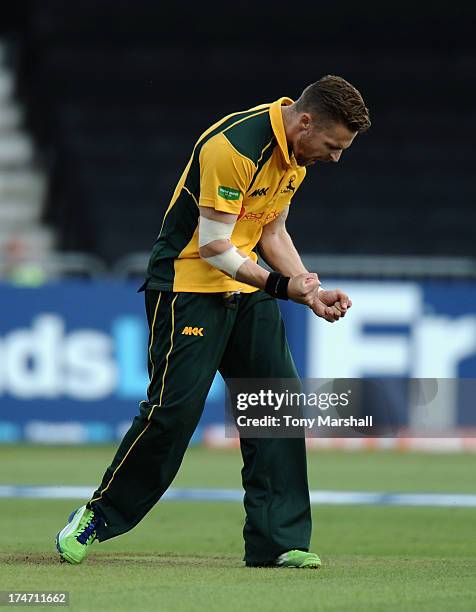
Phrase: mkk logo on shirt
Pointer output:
(261, 191)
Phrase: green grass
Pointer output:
(187, 556)
(333, 470)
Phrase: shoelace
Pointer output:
(89, 530)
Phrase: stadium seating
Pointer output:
(119, 109)
(23, 236)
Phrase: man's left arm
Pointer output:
(278, 251)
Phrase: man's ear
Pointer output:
(305, 122)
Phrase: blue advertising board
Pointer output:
(73, 353)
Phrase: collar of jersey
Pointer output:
(278, 126)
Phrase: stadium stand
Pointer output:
(118, 109)
(23, 236)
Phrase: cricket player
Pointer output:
(210, 306)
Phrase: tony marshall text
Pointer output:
(290, 421)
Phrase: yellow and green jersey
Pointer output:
(240, 165)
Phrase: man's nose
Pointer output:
(335, 155)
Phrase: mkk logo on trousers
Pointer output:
(192, 331)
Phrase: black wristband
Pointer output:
(277, 285)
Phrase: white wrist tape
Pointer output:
(229, 261)
(209, 230)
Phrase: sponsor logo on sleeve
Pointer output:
(228, 193)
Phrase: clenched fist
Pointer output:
(303, 288)
(331, 305)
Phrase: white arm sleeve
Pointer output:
(210, 230)
(230, 260)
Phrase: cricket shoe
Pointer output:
(75, 539)
(292, 558)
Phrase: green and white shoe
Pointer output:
(75, 539)
(298, 558)
(292, 558)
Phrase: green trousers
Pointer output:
(191, 337)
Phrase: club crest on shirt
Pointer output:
(290, 187)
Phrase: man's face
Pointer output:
(313, 143)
